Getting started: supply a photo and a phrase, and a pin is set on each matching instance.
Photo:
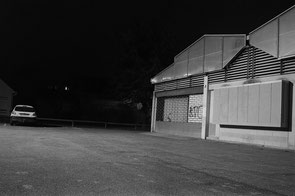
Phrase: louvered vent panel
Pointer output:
(170, 85)
(173, 85)
(184, 83)
(239, 68)
(197, 81)
(159, 87)
(216, 77)
(289, 66)
(265, 64)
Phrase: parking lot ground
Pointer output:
(90, 161)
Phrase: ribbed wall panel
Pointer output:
(184, 83)
(166, 86)
(289, 66)
(251, 63)
(197, 80)
(265, 64)
(216, 77)
(159, 87)
(193, 81)
(171, 86)
(239, 68)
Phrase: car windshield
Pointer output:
(24, 109)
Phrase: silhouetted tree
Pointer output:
(146, 48)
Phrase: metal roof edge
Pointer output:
(286, 57)
(13, 91)
(271, 20)
(161, 72)
(207, 35)
(189, 46)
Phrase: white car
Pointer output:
(23, 114)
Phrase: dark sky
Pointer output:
(47, 41)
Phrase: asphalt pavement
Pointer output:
(90, 161)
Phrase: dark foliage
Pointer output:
(146, 48)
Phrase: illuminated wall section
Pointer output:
(276, 37)
(231, 46)
(181, 64)
(213, 54)
(262, 104)
(209, 53)
(266, 38)
(166, 75)
(287, 34)
(196, 58)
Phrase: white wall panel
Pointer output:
(265, 104)
(216, 106)
(276, 97)
(242, 105)
(253, 104)
(262, 104)
(233, 106)
(223, 115)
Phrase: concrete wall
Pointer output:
(179, 128)
(277, 139)
(272, 137)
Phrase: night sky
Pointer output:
(92, 46)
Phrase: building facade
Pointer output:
(237, 88)
(6, 99)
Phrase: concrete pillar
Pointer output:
(206, 109)
(291, 142)
(154, 111)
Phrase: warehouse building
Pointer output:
(6, 99)
(237, 88)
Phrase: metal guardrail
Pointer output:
(75, 123)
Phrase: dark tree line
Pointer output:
(145, 49)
